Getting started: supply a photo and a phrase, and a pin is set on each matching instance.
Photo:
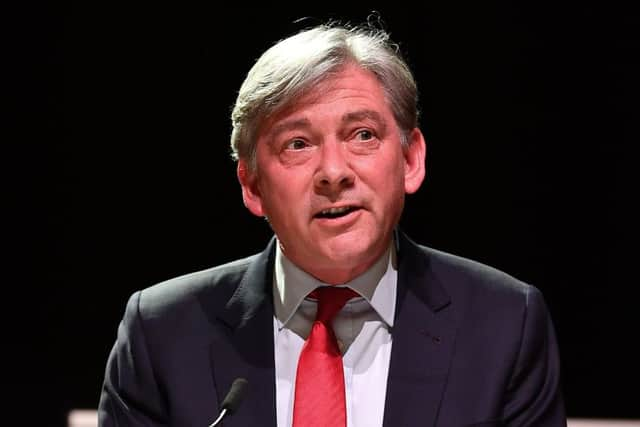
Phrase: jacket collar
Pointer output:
(253, 291)
(423, 340)
(243, 347)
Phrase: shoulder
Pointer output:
(458, 271)
(465, 281)
(503, 334)
(485, 301)
(482, 287)
(213, 286)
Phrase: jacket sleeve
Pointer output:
(534, 395)
(130, 393)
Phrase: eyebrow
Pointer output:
(290, 124)
(361, 115)
(354, 116)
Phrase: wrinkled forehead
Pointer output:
(351, 76)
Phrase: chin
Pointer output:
(350, 250)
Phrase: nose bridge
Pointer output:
(333, 166)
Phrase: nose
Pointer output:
(333, 173)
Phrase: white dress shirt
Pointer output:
(362, 327)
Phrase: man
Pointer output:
(326, 138)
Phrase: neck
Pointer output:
(333, 274)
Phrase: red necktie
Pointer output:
(319, 393)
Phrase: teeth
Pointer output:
(335, 211)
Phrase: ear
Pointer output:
(250, 191)
(414, 162)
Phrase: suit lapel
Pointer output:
(423, 340)
(244, 348)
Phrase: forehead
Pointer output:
(350, 88)
(351, 82)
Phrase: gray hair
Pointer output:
(293, 65)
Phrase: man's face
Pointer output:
(331, 176)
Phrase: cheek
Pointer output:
(283, 198)
(389, 175)
(390, 186)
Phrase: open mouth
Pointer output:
(332, 213)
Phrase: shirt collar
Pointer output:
(377, 285)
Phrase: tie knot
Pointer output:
(331, 299)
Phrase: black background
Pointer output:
(118, 173)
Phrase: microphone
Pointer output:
(232, 399)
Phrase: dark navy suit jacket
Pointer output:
(472, 346)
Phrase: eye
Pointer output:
(364, 141)
(364, 135)
(296, 144)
